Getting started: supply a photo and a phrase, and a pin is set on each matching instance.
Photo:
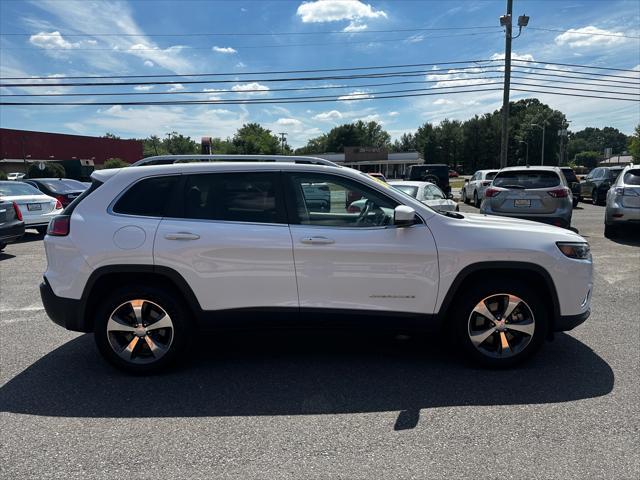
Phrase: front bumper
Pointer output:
(62, 311)
(569, 322)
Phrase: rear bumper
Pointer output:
(619, 214)
(62, 311)
(11, 233)
(569, 322)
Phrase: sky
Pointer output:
(54, 38)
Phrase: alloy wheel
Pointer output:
(140, 331)
(501, 325)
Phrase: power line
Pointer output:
(241, 34)
(585, 33)
(574, 95)
(261, 46)
(581, 77)
(264, 72)
(576, 65)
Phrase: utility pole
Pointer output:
(504, 140)
(283, 140)
(506, 21)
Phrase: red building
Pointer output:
(32, 146)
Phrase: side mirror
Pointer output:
(404, 216)
(466, 180)
(450, 196)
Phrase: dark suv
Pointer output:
(597, 183)
(434, 173)
(573, 182)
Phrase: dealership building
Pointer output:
(20, 148)
(367, 159)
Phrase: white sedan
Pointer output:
(427, 193)
(36, 208)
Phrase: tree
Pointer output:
(254, 139)
(315, 145)
(358, 134)
(177, 144)
(111, 136)
(51, 170)
(588, 159)
(152, 146)
(3, 176)
(406, 143)
(596, 140)
(634, 144)
(115, 163)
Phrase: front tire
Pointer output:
(141, 329)
(464, 195)
(2, 246)
(499, 324)
(476, 200)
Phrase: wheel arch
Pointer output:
(536, 276)
(112, 276)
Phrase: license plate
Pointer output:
(34, 206)
(522, 203)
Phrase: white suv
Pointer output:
(150, 255)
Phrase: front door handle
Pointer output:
(317, 240)
(181, 236)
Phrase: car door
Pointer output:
(358, 261)
(587, 186)
(228, 238)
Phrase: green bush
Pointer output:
(3, 176)
(51, 170)
(115, 163)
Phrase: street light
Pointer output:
(542, 127)
(527, 154)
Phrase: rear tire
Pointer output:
(595, 197)
(476, 200)
(2, 245)
(510, 337)
(142, 330)
(464, 195)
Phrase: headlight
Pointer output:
(578, 250)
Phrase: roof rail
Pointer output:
(169, 159)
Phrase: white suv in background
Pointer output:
(473, 189)
(150, 255)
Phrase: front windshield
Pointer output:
(9, 189)
(408, 189)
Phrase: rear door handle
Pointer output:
(317, 240)
(181, 236)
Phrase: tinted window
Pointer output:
(569, 174)
(340, 203)
(491, 175)
(63, 185)
(613, 174)
(236, 197)
(147, 198)
(632, 177)
(526, 179)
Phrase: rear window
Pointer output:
(491, 175)
(147, 198)
(9, 189)
(64, 185)
(408, 189)
(526, 179)
(632, 177)
(569, 174)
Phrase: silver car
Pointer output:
(623, 201)
(428, 193)
(473, 188)
(531, 193)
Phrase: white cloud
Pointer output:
(514, 56)
(417, 38)
(393, 114)
(355, 26)
(328, 116)
(52, 40)
(289, 122)
(443, 101)
(148, 63)
(143, 88)
(357, 94)
(176, 88)
(333, 10)
(241, 65)
(227, 50)
(589, 36)
(253, 88)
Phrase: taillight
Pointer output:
(491, 192)
(58, 205)
(559, 192)
(16, 208)
(59, 226)
(61, 199)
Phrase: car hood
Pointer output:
(22, 199)
(519, 225)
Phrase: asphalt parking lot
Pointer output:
(321, 405)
